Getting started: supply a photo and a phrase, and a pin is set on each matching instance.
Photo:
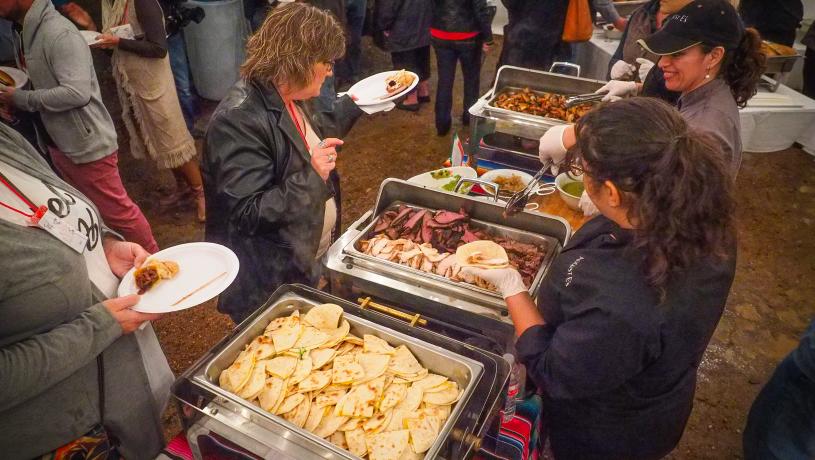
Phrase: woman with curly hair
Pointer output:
(708, 57)
(628, 307)
(271, 187)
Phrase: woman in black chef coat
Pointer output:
(629, 306)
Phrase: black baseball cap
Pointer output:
(712, 22)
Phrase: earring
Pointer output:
(707, 73)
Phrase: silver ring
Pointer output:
(321, 144)
(330, 157)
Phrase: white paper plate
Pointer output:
(198, 263)
(371, 91)
(20, 77)
(90, 36)
(427, 180)
(493, 174)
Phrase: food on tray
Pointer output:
(6, 79)
(512, 183)
(541, 104)
(482, 254)
(441, 174)
(427, 240)
(450, 186)
(772, 49)
(361, 394)
(152, 272)
(398, 82)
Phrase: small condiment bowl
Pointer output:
(561, 180)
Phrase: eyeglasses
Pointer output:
(330, 64)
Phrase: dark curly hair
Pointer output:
(673, 182)
(742, 67)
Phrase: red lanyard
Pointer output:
(293, 112)
(36, 212)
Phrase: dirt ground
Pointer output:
(769, 306)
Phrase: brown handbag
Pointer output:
(578, 26)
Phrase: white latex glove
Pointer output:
(551, 146)
(622, 70)
(587, 206)
(645, 67)
(616, 90)
(507, 280)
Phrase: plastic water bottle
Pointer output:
(514, 389)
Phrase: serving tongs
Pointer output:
(517, 202)
(579, 99)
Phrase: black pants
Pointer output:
(416, 60)
(448, 54)
(809, 73)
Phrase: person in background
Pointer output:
(78, 367)
(348, 69)
(328, 92)
(78, 132)
(180, 65)
(776, 21)
(150, 108)
(609, 13)
(76, 14)
(628, 307)
(405, 28)
(461, 32)
(532, 36)
(631, 62)
(781, 424)
(708, 57)
(809, 62)
(269, 158)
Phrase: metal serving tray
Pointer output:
(626, 8)
(464, 371)
(781, 64)
(549, 243)
(494, 108)
(490, 119)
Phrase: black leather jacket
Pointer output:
(264, 199)
(406, 21)
(464, 16)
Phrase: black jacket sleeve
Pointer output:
(338, 121)
(484, 15)
(386, 12)
(592, 351)
(245, 169)
(154, 42)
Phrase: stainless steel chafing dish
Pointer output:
(779, 68)
(494, 131)
(625, 8)
(461, 305)
(206, 409)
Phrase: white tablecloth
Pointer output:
(763, 129)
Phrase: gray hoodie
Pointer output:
(66, 92)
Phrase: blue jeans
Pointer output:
(348, 68)
(325, 101)
(183, 79)
(781, 424)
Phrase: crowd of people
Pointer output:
(618, 328)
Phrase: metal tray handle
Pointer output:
(412, 319)
(569, 65)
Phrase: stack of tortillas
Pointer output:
(482, 254)
(361, 394)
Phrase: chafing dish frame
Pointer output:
(238, 415)
(351, 276)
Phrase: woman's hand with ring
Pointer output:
(324, 155)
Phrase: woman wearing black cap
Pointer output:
(709, 57)
(628, 307)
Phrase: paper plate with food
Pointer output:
(9, 76)
(383, 87)
(445, 178)
(181, 277)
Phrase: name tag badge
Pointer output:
(57, 227)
